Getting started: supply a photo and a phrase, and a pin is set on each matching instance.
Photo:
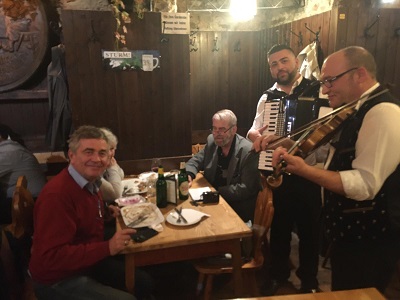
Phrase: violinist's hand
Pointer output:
(294, 164)
(262, 142)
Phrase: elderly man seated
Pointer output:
(229, 165)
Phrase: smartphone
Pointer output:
(143, 234)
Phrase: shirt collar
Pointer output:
(92, 187)
(365, 95)
(295, 84)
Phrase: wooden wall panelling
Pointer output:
(227, 78)
(244, 65)
(330, 36)
(391, 61)
(204, 80)
(380, 39)
(28, 118)
(148, 111)
(388, 55)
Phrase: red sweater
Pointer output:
(68, 232)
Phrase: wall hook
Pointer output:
(368, 28)
(300, 36)
(237, 48)
(316, 33)
(192, 44)
(164, 39)
(215, 48)
(93, 35)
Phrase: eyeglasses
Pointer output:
(328, 82)
(220, 130)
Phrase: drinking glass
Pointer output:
(155, 163)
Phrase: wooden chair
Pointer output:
(19, 234)
(21, 210)
(262, 222)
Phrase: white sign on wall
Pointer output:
(175, 23)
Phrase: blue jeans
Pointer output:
(80, 288)
(105, 281)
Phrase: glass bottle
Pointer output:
(161, 188)
(183, 182)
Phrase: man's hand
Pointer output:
(190, 180)
(293, 164)
(256, 133)
(120, 240)
(262, 142)
(115, 211)
(112, 162)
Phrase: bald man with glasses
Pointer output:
(361, 177)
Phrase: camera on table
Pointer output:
(210, 197)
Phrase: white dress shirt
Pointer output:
(377, 151)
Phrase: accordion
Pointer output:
(286, 115)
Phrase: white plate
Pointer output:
(192, 216)
(134, 212)
(133, 186)
(135, 199)
(148, 175)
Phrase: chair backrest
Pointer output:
(21, 210)
(263, 215)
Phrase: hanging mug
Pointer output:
(149, 62)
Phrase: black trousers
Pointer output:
(297, 204)
(364, 263)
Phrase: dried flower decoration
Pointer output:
(122, 18)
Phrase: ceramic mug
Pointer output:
(149, 62)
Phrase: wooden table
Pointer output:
(358, 294)
(220, 233)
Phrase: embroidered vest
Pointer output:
(347, 219)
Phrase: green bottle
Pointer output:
(183, 182)
(161, 188)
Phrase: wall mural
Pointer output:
(23, 41)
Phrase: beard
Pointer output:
(222, 141)
(290, 77)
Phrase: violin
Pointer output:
(316, 134)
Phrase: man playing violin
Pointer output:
(297, 204)
(361, 176)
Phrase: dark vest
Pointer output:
(347, 219)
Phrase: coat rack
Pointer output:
(300, 36)
(368, 28)
(215, 48)
(192, 40)
(237, 48)
(316, 33)
(164, 39)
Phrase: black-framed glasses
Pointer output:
(328, 82)
(220, 130)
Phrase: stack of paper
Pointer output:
(195, 193)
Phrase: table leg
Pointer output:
(237, 267)
(130, 272)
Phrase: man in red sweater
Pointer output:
(70, 258)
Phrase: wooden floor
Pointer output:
(178, 281)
